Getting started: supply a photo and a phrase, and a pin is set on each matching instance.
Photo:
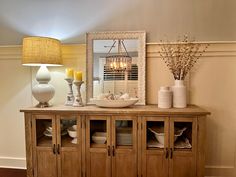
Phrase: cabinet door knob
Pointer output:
(58, 149)
(108, 151)
(54, 149)
(171, 153)
(167, 153)
(113, 150)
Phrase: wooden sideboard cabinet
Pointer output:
(140, 141)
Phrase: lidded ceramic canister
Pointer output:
(165, 97)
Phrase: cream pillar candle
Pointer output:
(69, 73)
(78, 76)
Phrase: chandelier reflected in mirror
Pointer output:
(120, 61)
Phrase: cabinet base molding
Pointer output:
(219, 171)
(10, 172)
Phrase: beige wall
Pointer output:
(15, 91)
(212, 84)
(206, 20)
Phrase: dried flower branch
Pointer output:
(181, 56)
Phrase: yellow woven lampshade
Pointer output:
(41, 50)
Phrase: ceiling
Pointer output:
(69, 20)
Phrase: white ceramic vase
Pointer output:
(43, 91)
(165, 97)
(179, 94)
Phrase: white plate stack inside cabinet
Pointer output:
(165, 97)
(124, 136)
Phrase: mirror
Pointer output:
(118, 76)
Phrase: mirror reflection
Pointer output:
(115, 67)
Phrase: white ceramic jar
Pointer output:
(179, 94)
(165, 97)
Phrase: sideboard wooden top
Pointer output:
(138, 110)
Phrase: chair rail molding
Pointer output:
(12, 52)
(69, 51)
(216, 49)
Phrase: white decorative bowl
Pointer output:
(72, 132)
(74, 141)
(74, 127)
(161, 136)
(115, 103)
(99, 137)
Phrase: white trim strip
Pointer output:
(218, 167)
(13, 162)
(216, 49)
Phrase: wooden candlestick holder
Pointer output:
(78, 99)
(70, 96)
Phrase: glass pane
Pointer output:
(44, 132)
(183, 135)
(155, 134)
(68, 132)
(98, 133)
(124, 133)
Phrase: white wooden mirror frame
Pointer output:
(111, 35)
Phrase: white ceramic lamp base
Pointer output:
(43, 92)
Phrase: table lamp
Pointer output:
(43, 52)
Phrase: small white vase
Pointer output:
(164, 97)
(179, 94)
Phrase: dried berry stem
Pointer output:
(181, 56)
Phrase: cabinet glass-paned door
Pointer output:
(124, 133)
(69, 145)
(98, 133)
(68, 131)
(44, 146)
(183, 137)
(155, 143)
(124, 146)
(98, 146)
(44, 131)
